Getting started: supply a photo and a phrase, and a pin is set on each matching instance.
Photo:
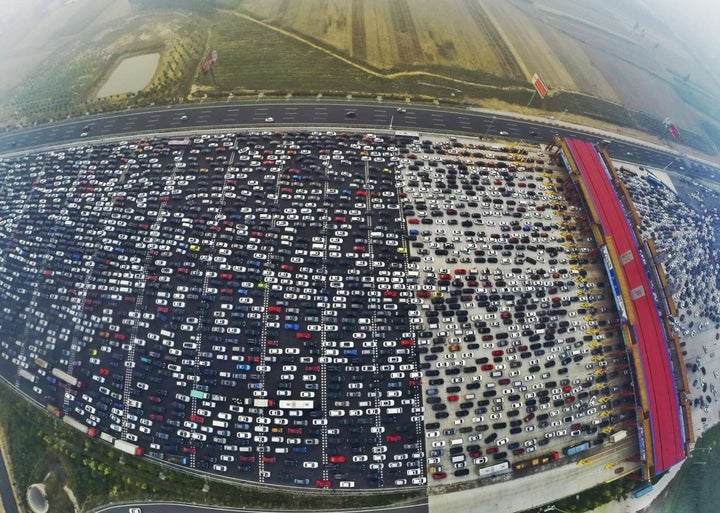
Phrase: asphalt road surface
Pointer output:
(6, 495)
(314, 113)
(175, 507)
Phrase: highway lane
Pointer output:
(6, 494)
(315, 113)
(177, 507)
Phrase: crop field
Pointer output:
(397, 34)
(280, 63)
(464, 51)
(625, 57)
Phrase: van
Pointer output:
(220, 423)
(456, 441)
(394, 411)
(459, 458)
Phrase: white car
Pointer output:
(269, 120)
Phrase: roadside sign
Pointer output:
(673, 130)
(540, 86)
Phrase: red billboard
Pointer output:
(208, 62)
(540, 86)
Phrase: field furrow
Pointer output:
(502, 53)
(358, 50)
(409, 46)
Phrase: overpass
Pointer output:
(663, 413)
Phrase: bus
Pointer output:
(576, 449)
(494, 470)
(197, 394)
(286, 404)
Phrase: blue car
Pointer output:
(292, 326)
(243, 366)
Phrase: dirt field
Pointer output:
(623, 56)
(487, 48)
(395, 34)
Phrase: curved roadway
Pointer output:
(307, 113)
(177, 507)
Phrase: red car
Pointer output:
(312, 368)
(287, 267)
(393, 438)
(197, 418)
(155, 399)
(295, 430)
(487, 367)
(247, 459)
(323, 483)
(423, 293)
(269, 459)
(390, 293)
(413, 221)
(104, 372)
(189, 450)
(303, 335)
(337, 459)
(273, 343)
(275, 309)
(407, 342)
(453, 398)
(439, 475)
(154, 416)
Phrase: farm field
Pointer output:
(597, 60)
(626, 57)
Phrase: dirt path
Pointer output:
(360, 67)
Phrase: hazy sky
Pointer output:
(697, 21)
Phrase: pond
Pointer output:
(131, 75)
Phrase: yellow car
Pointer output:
(194, 247)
